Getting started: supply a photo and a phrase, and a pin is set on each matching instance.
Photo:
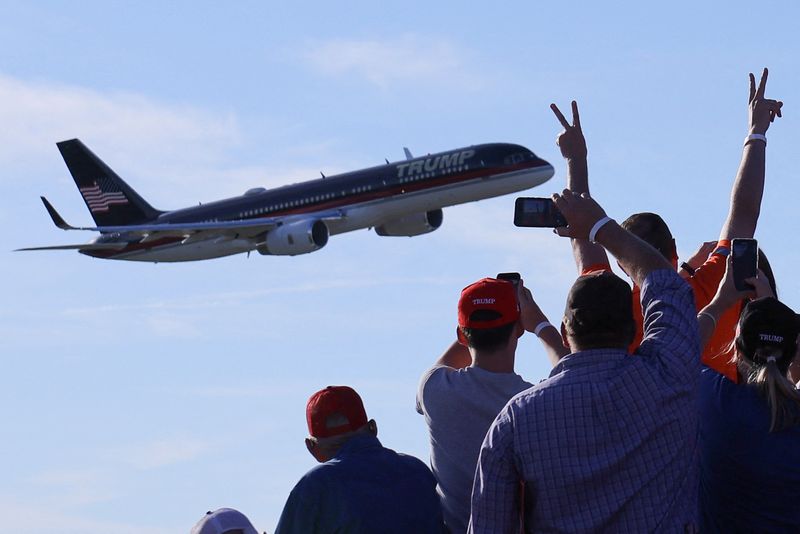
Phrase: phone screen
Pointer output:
(538, 213)
(745, 261)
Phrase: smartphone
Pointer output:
(538, 213)
(745, 262)
(511, 277)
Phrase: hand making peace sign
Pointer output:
(571, 140)
(762, 110)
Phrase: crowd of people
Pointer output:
(671, 406)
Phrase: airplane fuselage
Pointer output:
(400, 198)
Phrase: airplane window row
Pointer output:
(293, 203)
(426, 175)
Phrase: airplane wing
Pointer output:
(82, 246)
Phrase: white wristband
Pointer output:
(541, 326)
(596, 228)
(755, 137)
(706, 314)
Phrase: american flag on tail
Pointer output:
(102, 194)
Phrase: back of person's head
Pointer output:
(334, 411)
(599, 312)
(766, 344)
(488, 311)
(652, 229)
(334, 416)
(224, 521)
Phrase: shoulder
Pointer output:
(723, 401)
(707, 277)
(316, 477)
(438, 371)
(433, 377)
(534, 395)
(662, 281)
(414, 465)
(437, 378)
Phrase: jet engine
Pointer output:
(411, 225)
(293, 238)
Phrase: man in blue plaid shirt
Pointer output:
(609, 441)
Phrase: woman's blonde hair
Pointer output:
(766, 370)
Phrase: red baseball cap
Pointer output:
(333, 411)
(489, 294)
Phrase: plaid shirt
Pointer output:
(608, 442)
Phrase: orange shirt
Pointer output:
(718, 353)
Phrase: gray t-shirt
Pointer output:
(459, 406)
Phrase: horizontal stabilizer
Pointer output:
(82, 246)
(57, 219)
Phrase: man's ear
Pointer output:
(373, 427)
(564, 339)
(519, 329)
(315, 450)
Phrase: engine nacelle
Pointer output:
(293, 238)
(411, 225)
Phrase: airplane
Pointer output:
(404, 198)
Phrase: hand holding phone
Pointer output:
(537, 213)
(745, 262)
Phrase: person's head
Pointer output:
(224, 521)
(766, 344)
(599, 313)
(334, 416)
(488, 315)
(652, 229)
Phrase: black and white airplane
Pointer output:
(404, 198)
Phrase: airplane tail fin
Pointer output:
(110, 200)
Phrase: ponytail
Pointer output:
(771, 381)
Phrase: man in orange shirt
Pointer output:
(741, 221)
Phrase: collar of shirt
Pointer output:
(359, 444)
(587, 358)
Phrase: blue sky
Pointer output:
(134, 397)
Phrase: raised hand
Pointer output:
(529, 311)
(571, 140)
(727, 294)
(762, 110)
(580, 211)
(700, 256)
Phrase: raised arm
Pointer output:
(584, 215)
(533, 318)
(748, 187)
(671, 336)
(456, 356)
(727, 295)
(573, 148)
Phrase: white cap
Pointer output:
(222, 521)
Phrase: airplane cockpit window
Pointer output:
(517, 157)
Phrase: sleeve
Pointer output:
(495, 490)
(301, 513)
(706, 279)
(670, 325)
(596, 268)
(429, 386)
